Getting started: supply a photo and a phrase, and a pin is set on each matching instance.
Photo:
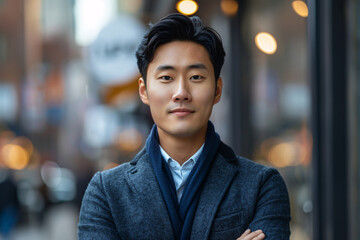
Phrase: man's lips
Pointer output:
(181, 112)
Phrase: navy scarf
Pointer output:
(182, 214)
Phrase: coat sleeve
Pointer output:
(95, 220)
(272, 211)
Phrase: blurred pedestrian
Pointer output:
(9, 204)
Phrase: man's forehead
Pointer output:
(181, 53)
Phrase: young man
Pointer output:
(185, 183)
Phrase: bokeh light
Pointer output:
(87, 26)
(285, 154)
(266, 42)
(5, 138)
(130, 140)
(14, 156)
(50, 174)
(300, 8)
(187, 7)
(24, 143)
(229, 7)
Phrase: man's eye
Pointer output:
(197, 77)
(166, 78)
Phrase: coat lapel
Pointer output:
(142, 180)
(216, 184)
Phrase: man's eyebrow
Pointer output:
(192, 66)
(165, 67)
(197, 66)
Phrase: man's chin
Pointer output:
(185, 132)
(180, 132)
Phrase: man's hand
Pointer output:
(248, 235)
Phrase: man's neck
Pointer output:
(181, 148)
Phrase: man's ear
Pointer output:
(218, 90)
(142, 91)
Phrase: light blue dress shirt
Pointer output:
(179, 172)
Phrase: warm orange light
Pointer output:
(229, 7)
(187, 7)
(267, 144)
(14, 156)
(300, 8)
(5, 138)
(285, 154)
(110, 165)
(266, 42)
(24, 143)
(130, 140)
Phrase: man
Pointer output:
(185, 183)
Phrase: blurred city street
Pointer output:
(59, 223)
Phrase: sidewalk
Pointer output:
(60, 223)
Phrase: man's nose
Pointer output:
(181, 92)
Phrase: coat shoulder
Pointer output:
(244, 165)
(252, 170)
(248, 170)
(117, 174)
(247, 165)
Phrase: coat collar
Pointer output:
(142, 180)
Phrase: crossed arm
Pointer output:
(248, 235)
(272, 214)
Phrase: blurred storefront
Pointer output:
(271, 97)
(69, 104)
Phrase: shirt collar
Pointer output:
(194, 157)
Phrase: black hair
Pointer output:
(178, 27)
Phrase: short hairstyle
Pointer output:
(177, 27)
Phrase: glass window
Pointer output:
(275, 35)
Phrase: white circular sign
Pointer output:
(112, 55)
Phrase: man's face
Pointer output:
(180, 89)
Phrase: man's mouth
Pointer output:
(181, 112)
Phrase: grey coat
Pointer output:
(126, 203)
